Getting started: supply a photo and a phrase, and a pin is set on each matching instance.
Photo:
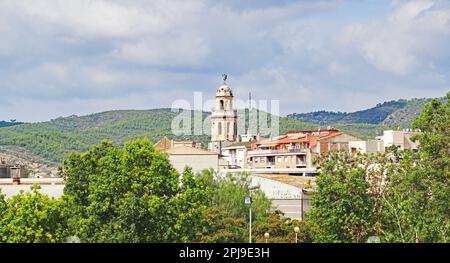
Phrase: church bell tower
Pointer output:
(223, 118)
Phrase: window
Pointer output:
(220, 128)
(228, 128)
(221, 105)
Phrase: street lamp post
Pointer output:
(296, 230)
(248, 201)
(266, 236)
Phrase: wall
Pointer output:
(287, 161)
(197, 162)
(370, 146)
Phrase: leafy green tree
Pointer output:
(401, 196)
(226, 219)
(342, 209)
(219, 227)
(32, 217)
(191, 203)
(281, 230)
(2, 205)
(229, 193)
(416, 203)
(130, 195)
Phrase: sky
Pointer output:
(65, 57)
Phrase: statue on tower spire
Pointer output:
(225, 76)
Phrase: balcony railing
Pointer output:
(264, 152)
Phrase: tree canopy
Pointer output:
(400, 196)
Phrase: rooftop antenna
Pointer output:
(249, 111)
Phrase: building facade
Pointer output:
(236, 154)
(296, 149)
(197, 159)
(401, 139)
(10, 171)
(165, 144)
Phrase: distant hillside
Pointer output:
(396, 113)
(7, 124)
(404, 117)
(55, 139)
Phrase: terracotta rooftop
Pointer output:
(311, 131)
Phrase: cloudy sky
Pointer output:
(64, 57)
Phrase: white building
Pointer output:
(402, 139)
(369, 146)
(236, 154)
(399, 138)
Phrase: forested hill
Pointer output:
(7, 123)
(397, 113)
(54, 140)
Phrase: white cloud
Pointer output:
(101, 55)
(400, 43)
(179, 50)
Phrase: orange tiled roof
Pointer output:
(290, 140)
(311, 139)
(311, 131)
(329, 135)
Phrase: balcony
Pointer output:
(268, 152)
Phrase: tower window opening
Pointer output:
(221, 105)
(220, 128)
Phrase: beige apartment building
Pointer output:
(402, 139)
(188, 153)
(198, 159)
(296, 149)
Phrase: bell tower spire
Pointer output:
(223, 117)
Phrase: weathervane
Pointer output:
(224, 78)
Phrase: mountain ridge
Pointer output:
(394, 113)
(53, 140)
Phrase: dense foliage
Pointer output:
(7, 123)
(32, 217)
(133, 194)
(401, 196)
(418, 197)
